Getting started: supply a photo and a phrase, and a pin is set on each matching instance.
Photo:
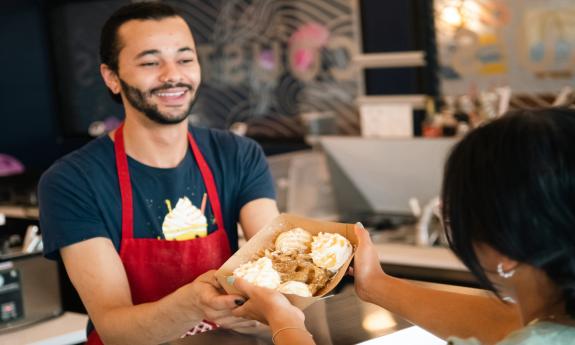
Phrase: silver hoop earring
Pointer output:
(502, 273)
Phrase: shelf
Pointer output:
(390, 60)
(19, 212)
(416, 101)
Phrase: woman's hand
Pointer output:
(366, 266)
(265, 305)
(272, 307)
(204, 300)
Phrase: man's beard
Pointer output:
(139, 100)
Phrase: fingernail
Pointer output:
(359, 225)
(231, 280)
(239, 302)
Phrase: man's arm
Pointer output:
(97, 273)
(256, 214)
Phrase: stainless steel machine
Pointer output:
(29, 284)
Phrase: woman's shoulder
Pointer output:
(548, 333)
(459, 341)
(541, 333)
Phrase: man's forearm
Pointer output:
(148, 323)
(256, 214)
(445, 313)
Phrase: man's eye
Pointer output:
(186, 61)
(148, 64)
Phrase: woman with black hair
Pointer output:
(509, 215)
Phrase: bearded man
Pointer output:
(142, 217)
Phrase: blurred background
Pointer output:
(356, 103)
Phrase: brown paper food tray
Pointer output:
(264, 239)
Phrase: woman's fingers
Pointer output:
(243, 286)
(350, 271)
(362, 234)
(249, 311)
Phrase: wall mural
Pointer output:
(526, 44)
(268, 62)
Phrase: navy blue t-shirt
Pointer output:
(80, 195)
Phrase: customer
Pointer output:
(509, 214)
(123, 212)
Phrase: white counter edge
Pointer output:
(412, 335)
(409, 255)
(68, 328)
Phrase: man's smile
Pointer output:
(172, 96)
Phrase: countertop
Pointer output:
(340, 319)
(68, 328)
(430, 264)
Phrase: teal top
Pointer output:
(540, 333)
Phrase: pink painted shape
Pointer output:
(311, 35)
(267, 60)
(10, 165)
(303, 59)
(306, 42)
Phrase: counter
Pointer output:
(66, 329)
(340, 319)
(429, 264)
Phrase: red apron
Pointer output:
(156, 268)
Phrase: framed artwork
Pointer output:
(528, 45)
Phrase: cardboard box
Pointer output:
(264, 239)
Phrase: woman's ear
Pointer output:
(491, 259)
(503, 262)
(507, 264)
(110, 78)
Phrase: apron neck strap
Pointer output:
(126, 184)
(209, 181)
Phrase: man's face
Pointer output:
(158, 69)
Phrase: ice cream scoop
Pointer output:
(296, 239)
(293, 287)
(260, 273)
(330, 250)
(184, 222)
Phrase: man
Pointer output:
(113, 209)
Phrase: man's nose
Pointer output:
(170, 73)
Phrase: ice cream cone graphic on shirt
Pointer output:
(184, 222)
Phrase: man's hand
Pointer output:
(209, 303)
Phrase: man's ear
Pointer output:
(110, 78)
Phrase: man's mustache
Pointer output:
(170, 86)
